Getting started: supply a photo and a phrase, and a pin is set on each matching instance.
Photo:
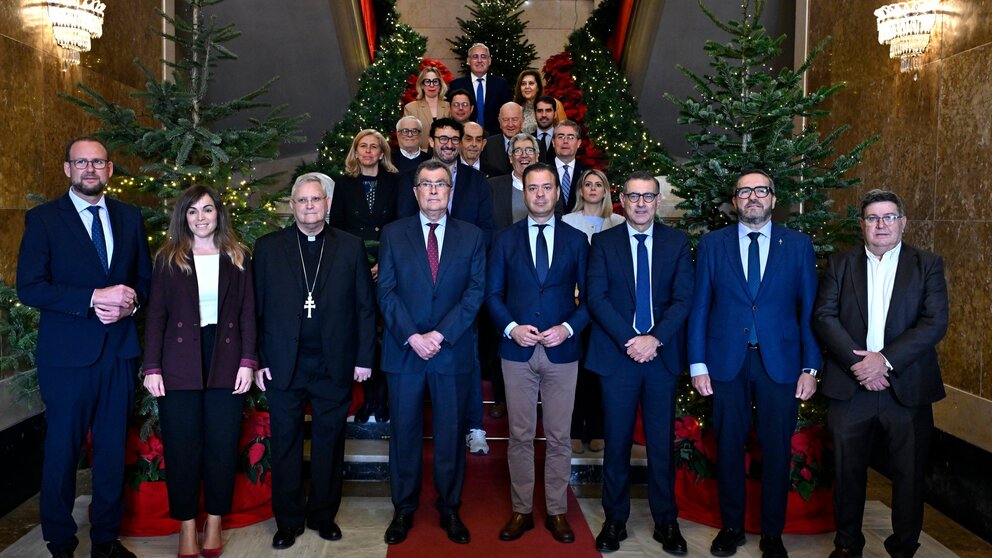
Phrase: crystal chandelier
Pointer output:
(906, 28)
(75, 23)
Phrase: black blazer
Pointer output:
(502, 191)
(472, 201)
(916, 322)
(403, 164)
(575, 171)
(494, 160)
(344, 298)
(350, 211)
(172, 326)
(498, 93)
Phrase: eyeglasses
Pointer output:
(888, 219)
(569, 137)
(409, 132)
(81, 164)
(461, 104)
(444, 140)
(432, 82)
(482, 56)
(426, 185)
(635, 197)
(523, 151)
(758, 191)
(303, 200)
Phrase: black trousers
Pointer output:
(870, 419)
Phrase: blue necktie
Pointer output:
(480, 103)
(541, 257)
(753, 279)
(642, 312)
(99, 241)
(566, 183)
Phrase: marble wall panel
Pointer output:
(21, 94)
(11, 230)
(853, 55)
(963, 25)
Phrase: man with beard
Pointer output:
(84, 263)
(751, 344)
(494, 156)
(545, 113)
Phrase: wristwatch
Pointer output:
(811, 371)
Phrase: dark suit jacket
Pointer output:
(574, 171)
(472, 201)
(916, 322)
(350, 211)
(502, 191)
(58, 269)
(493, 160)
(412, 303)
(343, 295)
(403, 164)
(514, 294)
(722, 306)
(611, 299)
(498, 93)
(172, 327)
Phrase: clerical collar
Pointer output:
(308, 238)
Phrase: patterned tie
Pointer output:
(480, 103)
(753, 279)
(99, 240)
(541, 257)
(566, 183)
(432, 251)
(642, 312)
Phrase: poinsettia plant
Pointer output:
(144, 460)
(256, 450)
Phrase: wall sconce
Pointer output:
(74, 24)
(906, 28)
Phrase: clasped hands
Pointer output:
(529, 336)
(643, 348)
(871, 372)
(110, 304)
(426, 345)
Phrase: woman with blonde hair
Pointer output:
(430, 104)
(594, 206)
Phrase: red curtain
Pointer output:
(619, 36)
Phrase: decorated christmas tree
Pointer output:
(745, 116)
(499, 25)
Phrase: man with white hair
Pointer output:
(409, 129)
(489, 92)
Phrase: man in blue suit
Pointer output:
(431, 286)
(751, 344)
(639, 291)
(84, 263)
(488, 92)
(533, 272)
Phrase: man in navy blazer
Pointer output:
(567, 139)
(495, 90)
(533, 272)
(84, 263)
(639, 291)
(431, 286)
(751, 344)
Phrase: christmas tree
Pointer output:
(745, 116)
(497, 24)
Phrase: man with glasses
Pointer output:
(431, 286)
(639, 287)
(880, 312)
(84, 263)
(460, 105)
(508, 189)
(567, 139)
(316, 324)
(409, 155)
(751, 345)
(489, 92)
(495, 157)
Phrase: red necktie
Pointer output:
(432, 251)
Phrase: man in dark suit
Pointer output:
(751, 344)
(431, 286)
(880, 312)
(567, 140)
(84, 263)
(508, 189)
(316, 320)
(408, 155)
(545, 113)
(460, 103)
(473, 142)
(533, 272)
(639, 290)
(494, 159)
(489, 92)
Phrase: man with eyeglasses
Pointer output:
(489, 92)
(880, 312)
(84, 263)
(316, 321)
(495, 157)
(460, 105)
(431, 286)
(567, 140)
(751, 345)
(508, 189)
(409, 155)
(639, 287)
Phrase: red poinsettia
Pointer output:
(255, 453)
(560, 84)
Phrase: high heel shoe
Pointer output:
(212, 552)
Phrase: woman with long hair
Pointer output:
(529, 88)
(199, 356)
(430, 104)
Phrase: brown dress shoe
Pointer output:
(515, 528)
(578, 446)
(559, 527)
(597, 444)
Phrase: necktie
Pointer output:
(432, 251)
(541, 256)
(642, 312)
(544, 145)
(99, 240)
(753, 279)
(566, 183)
(480, 103)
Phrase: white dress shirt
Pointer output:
(881, 278)
(648, 243)
(549, 236)
(81, 206)
(438, 232)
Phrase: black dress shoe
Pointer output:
(382, 413)
(727, 541)
(671, 538)
(113, 549)
(610, 536)
(363, 413)
(772, 547)
(457, 531)
(844, 553)
(285, 538)
(398, 528)
(328, 531)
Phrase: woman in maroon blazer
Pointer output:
(199, 357)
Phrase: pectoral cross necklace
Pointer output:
(309, 305)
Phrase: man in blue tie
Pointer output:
(751, 345)
(566, 143)
(489, 92)
(84, 263)
(639, 291)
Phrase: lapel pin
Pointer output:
(780, 242)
